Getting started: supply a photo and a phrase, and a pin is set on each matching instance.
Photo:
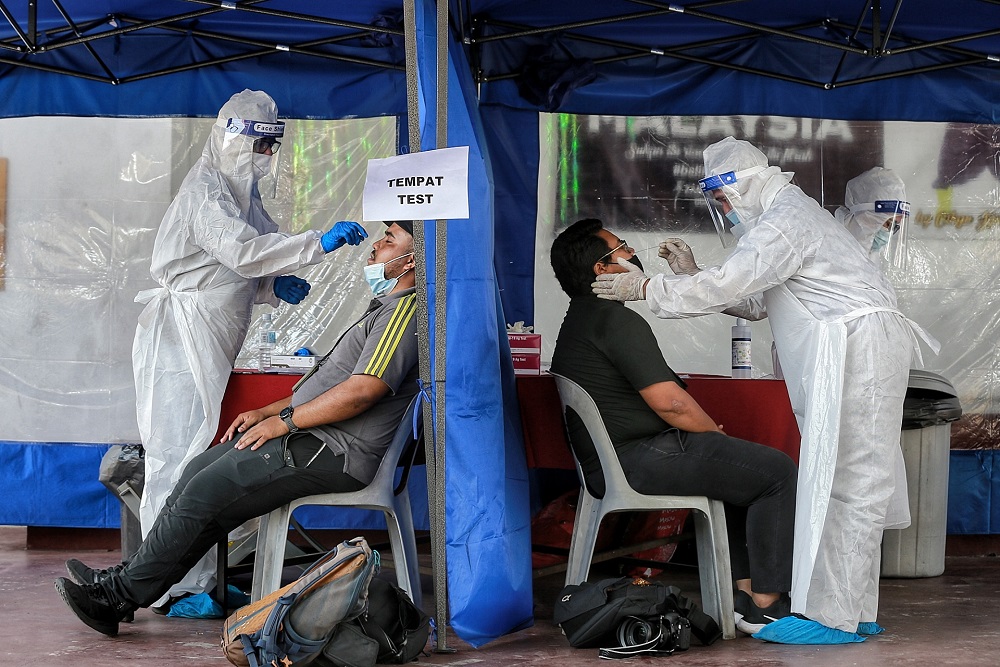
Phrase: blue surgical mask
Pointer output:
(881, 240)
(375, 276)
(732, 217)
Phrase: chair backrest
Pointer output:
(405, 444)
(573, 396)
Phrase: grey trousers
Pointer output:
(219, 490)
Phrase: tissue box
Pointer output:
(527, 364)
(525, 343)
(292, 361)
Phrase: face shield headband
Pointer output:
(254, 129)
(726, 184)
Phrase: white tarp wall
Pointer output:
(640, 176)
(85, 198)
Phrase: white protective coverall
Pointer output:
(858, 215)
(845, 351)
(215, 255)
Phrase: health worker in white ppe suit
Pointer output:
(845, 350)
(876, 213)
(216, 254)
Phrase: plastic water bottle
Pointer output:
(265, 342)
(741, 349)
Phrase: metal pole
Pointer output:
(441, 337)
(435, 504)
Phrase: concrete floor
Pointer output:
(946, 620)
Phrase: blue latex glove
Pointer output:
(290, 288)
(343, 232)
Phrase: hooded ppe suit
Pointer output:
(845, 351)
(858, 213)
(215, 255)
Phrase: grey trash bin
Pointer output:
(122, 473)
(918, 551)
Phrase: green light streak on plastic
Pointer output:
(563, 123)
(575, 127)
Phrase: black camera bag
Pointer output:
(590, 613)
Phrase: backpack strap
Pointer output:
(250, 651)
(703, 626)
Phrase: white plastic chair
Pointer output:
(714, 567)
(382, 494)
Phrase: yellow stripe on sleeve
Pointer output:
(393, 333)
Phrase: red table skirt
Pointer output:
(755, 410)
(249, 390)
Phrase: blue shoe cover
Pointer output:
(794, 630)
(870, 628)
(196, 606)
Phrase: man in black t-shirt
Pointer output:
(666, 443)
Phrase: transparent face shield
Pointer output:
(256, 145)
(723, 201)
(890, 240)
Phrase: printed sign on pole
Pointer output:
(430, 185)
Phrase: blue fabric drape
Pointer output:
(488, 532)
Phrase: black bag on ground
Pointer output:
(392, 631)
(591, 614)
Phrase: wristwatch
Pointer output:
(286, 416)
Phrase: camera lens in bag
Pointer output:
(633, 631)
(672, 632)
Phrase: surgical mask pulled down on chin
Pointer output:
(375, 276)
(880, 240)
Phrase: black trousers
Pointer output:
(756, 483)
(219, 490)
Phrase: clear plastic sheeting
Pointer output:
(639, 175)
(85, 198)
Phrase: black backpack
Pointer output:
(391, 631)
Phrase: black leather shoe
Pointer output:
(93, 605)
(81, 574)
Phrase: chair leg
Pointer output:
(584, 539)
(269, 558)
(714, 569)
(403, 543)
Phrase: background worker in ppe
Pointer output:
(876, 213)
(845, 350)
(217, 253)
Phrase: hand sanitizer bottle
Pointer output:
(741, 349)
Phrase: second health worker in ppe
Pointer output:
(216, 254)
(845, 351)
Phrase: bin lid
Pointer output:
(926, 380)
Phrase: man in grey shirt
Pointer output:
(329, 436)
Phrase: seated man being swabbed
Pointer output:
(666, 443)
(329, 436)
